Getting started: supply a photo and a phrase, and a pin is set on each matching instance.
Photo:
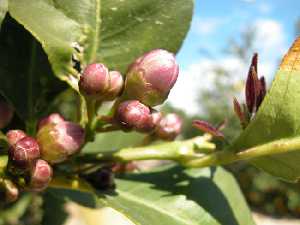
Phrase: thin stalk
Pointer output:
(227, 157)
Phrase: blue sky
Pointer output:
(214, 24)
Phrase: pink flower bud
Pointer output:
(156, 117)
(169, 127)
(133, 114)
(116, 85)
(94, 81)
(6, 114)
(53, 118)
(151, 77)
(24, 152)
(59, 141)
(13, 136)
(41, 174)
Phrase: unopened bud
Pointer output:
(41, 174)
(135, 115)
(59, 141)
(156, 117)
(151, 77)
(94, 81)
(24, 152)
(53, 118)
(169, 127)
(116, 85)
(6, 114)
(13, 136)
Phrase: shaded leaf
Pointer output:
(3, 10)
(178, 196)
(173, 195)
(26, 77)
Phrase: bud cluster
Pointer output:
(148, 82)
(132, 114)
(98, 83)
(56, 140)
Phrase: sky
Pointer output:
(214, 24)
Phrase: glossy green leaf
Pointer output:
(173, 195)
(130, 28)
(57, 33)
(178, 196)
(26, 77)
(3, 10)
(86, 13)
(278, 118)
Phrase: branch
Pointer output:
(176, 150)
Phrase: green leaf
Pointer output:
(172, 195)
(113, 141)
(26, 77)
(178, 196)
(57, 33)
(14, 213)
(278, 119)
(3, 10)
(87, 14)
(130, 28)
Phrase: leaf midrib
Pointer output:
(160, 210)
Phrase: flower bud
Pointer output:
(94, 81)
(169, 127)
(24, 152)
(156, 117)
(13, 136)
(41, 174)
(53, 118)
(151, 77)
(133, 114)
(116, 85)
(6, 114)
(59, 141)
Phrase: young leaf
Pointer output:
(207, 128)
(278, 118)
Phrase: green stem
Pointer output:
(177, 151)
(227, 157)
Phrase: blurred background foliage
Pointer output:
(264, 193)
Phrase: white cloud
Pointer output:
(264, 8)
(198, 77)
(269, 34)
(270, 43)
(206, 26)
(249, 1)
